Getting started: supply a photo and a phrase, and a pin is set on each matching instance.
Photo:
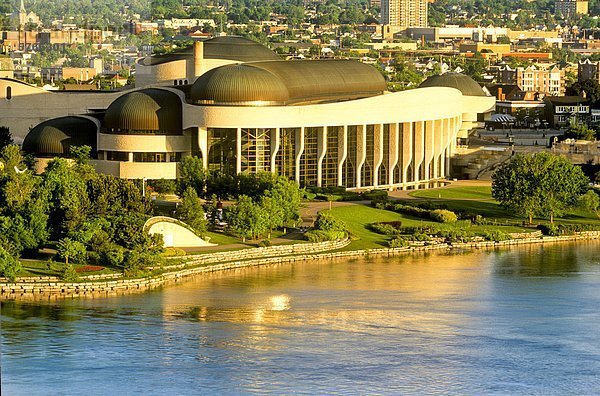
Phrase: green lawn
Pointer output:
(462, 193)
(479, 200)
(358, 217)
(53, 268)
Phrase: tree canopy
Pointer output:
(538, 185)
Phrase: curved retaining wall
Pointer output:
(122, 286)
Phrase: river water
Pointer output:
(522, 321)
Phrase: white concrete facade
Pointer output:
(395, 140)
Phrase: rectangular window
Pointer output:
(256, 149)
(117, 156)
(308, 161)
(285, 161)
(222, 149)
(330, 162)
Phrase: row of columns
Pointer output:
(421, 149)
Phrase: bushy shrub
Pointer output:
(424, 229)
(457, 235)
(265, 243)
(327, 222)
(163, 186)
(309, 196)
(173, 252)
(398, 242)
(549, 229)
(496, 236)
(411, 211)
(376, 195)
(420, 237)
(386, 228)
(443, 216)
(430, 205)
(68, 273)
(329, 197)
(322, 236)
(351, 196)
(10, 265)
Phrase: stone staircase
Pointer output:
(479, 163)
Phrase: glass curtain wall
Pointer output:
(285, 161)
(368, 166)
(256, 149)
(330, 162)
(308, 161)
(383, 168)
(399, 164)
(222, 150)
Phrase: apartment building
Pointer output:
(405, 13)
(547, 81)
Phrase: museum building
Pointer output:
(319, 122)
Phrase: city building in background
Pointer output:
(571, 8)
(404, 13)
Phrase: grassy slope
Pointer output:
(473, 199)
(479, 200)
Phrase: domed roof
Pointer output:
(287, 82)
(462, 82)
(55, 137)
(148, 110)
(239, 84)
(232, 48)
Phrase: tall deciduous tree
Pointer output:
(191, 174)
(247, 218)
(540, 184)
(190, 211)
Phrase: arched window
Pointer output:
(9, 93)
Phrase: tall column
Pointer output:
(275, 146)
(378, 153)
(238, 151)
(438, 142)
(419, 149)
(429, 149)
(361, 148)
(394, 151)
(203, 146)
(299, 139)
(342, 153)
(321, 150)
(407, 150)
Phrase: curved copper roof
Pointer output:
(55, 137)
(462, 82)
(228, 47)
(148, 110)
(287, 82)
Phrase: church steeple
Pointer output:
(22, 9)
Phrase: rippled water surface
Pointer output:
(524, 321)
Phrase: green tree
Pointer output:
(10, 266)
(590, 201)
(247, 219)
(70, 249)
(190, 211)
(539, 184)
(580, 131)
(23, 205)
(68, 200)
(191, 174)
